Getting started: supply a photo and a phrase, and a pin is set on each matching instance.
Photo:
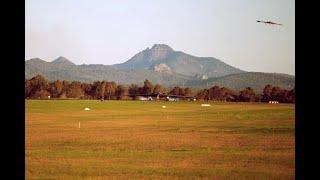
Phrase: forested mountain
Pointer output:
(162, 65)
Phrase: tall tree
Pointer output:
(141, 90)
(157, 89)
(148, 87)
(266, 94)
(175, 91)
(121, 92)
(39, 87)
(65, 89)
(94, 92)
(86, 88)
(187, 92)
(110, 90)
(133, 90)
(56, 88)
(247, 95)
(291, 96)
(75, 90)
(227, 94)
(276, 93)
(203, 94)
(214, 93)
(181, 91)
(101, 88)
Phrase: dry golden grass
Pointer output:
(140, 140)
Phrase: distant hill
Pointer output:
(256, 80)
(64, 69)
(162, 65)
(62, 62)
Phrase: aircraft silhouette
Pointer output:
(269, 22)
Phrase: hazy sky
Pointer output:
(112, 31)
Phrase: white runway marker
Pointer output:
(205, 105)
(87, 109)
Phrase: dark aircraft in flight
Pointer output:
(269, 22)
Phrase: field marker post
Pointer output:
(79, 124)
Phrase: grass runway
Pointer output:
(142, 140)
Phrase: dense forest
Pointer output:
(40, 88)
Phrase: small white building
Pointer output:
(143, 98)
(172, 99)
(273, 102)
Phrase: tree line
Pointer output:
(38, 87)
(270, 93)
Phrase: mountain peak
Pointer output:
(160, 51)
(161, 46)
(60, 58)
(36, 60)
(62, 61)
(162, 57)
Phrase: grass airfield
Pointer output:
(142, 140)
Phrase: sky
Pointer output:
(112, 31)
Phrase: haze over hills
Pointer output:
(160, 64)
(257, 80)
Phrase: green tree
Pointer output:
(247, 95)
(56, 88)
(148, 87)
(266, 94)
(65, 89)
(214, 93)
(101, 88)
(227, 94)
(121, 92)
(203, 94)
(291, 96)
(110, 90)
(133, 90)
(94, 91)
(39, 87)
(187, 92)
(86, 88)
(157, 89)
(75, 90)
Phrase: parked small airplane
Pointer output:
(269, 22)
